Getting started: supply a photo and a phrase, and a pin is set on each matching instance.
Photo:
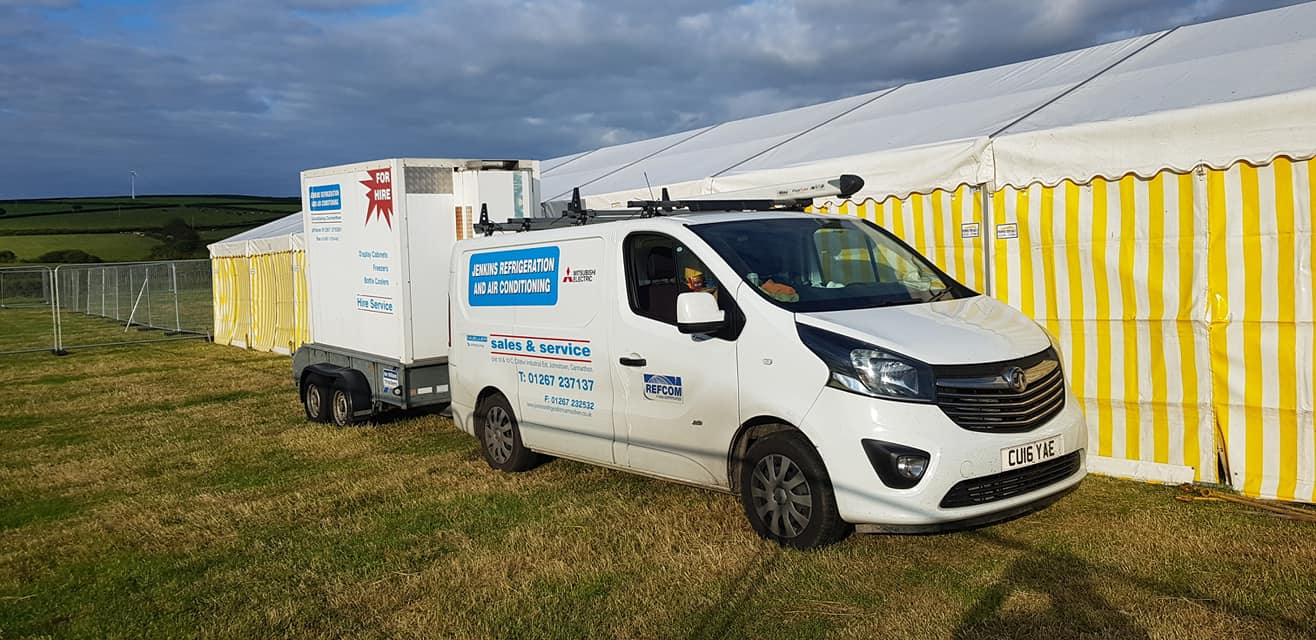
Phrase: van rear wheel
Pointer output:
(788, 495)
(500, 436)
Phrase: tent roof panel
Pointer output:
(724, 146)
(1130, 105)
(237, 244)
(1257, 130)
(553, 163)
(1251, 56)
(557, 185)
(969, 105)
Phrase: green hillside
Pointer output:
(126, 229)
(110, 247)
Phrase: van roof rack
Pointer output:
(846, 186)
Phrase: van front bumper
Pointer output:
(840, 421)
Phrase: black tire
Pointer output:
(341, 406)
(315, 398)
(500, 436)
(787, 494)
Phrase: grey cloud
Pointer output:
(237, 96)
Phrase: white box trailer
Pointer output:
(378, 241)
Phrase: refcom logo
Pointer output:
(659, 387)
(579, 275)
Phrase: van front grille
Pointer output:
(1009, 484)
(1003, 397)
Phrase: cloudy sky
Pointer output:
(237, 96)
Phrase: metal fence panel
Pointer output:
(124, 303)
(27, 309)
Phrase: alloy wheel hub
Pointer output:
(781, 495)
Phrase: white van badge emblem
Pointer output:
(1016, 378)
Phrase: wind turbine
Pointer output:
(132, 181)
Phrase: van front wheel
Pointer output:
(500, 437)
(788, 495)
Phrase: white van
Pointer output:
(815, 365)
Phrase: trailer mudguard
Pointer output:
(351, 379)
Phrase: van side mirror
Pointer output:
(697, 312)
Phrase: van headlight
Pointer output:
(863, 368)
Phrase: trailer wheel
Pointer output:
(500, 436)
(341, 406)
(788, 495)
(315, 399)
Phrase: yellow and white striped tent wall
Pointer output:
(1111, 269)
(231, 285)
(261, 301)
(946, 226)
(1191, 334)
(1183, 303)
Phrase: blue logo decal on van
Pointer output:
(514, 278)
(326, 197)
(658, 387)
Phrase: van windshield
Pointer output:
(827, 263)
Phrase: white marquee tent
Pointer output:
(259, 286)
(284, 234)
(1149, 201)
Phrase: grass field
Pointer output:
(121, 229)
(23, 208)
(110, 247)
(215, 235)
(135, 219)
(28, 328)
(26, 323)
(58, 205)
(175, 490)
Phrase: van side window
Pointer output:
(658, 268)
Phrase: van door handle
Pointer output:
(633, 362)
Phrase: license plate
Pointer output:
(1032, 453)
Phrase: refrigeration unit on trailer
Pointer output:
(815, 365)
(378, 239)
